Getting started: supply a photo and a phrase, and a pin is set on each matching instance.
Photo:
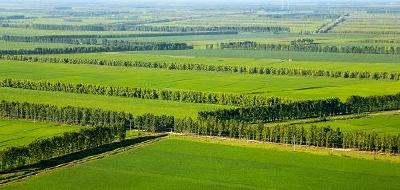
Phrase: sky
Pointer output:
(193, 3)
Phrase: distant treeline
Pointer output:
(214, 68)
(134, 27)
(306, 109)
(383, 10)
(92, 39)
(328, 27)
(144, 93)
(383, 41)
(295, 135)
(368, 31)
(302, 15)
(301, 47)
(12, 17)
(84, 116)
(108, 46)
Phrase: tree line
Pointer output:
(118, 122)
(214, 68)
(124, 45)
(91, 39)
(306, 109)
(292, 134)
(329, 26)
(136, 27)
(50, 39)
(108, 46)
(12, 17)
(313, 15)
(144, 93)
(313, 47)
(67, 143)
(84, 116)
(382, 41)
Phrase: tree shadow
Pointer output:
(62, 160)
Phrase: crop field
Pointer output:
(257, 19)
(39, 32)
(381, 123)
(170, 94)
(131, 105)
(296, 56)
(21, 132)
(30, 45)
(362, 22)
(272, 59)
(179, 163)
(268, 85)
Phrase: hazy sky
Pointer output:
(193, 3)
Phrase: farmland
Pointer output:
(175, 163)
(272, 59)
(382, 122)
(294, 88)
(20, 132)
(132, 105)
(199, 95)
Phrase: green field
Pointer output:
(277, 62)
(131, 105)
(362, 22)
(31, 45)
(268, 85)
(37, 32)
(296, 56)
(385, 123)
(21, 132)
(181, 163)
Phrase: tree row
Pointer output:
(67, 143)
(135, 27)
(328, 27)
(84, 116)
(92, 39)
(306, 109)
(144, 93)
(108, 46)
(214, 68)
(313, 47)
(294, 134)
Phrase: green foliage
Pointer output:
(70, 142)
(296, 135)
(135, 27)
(285, 87)
(214, 68)
(144, 93)
(120, 104)
(309, 47)
(107, 46)
(91, 39)
(84, 116)
(307, 109)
